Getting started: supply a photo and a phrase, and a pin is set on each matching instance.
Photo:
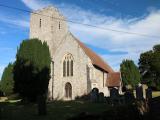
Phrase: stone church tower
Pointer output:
(48, 25)
(75, 69)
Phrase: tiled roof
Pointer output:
(113, 79)
(96, 59)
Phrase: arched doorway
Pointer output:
(68, 91)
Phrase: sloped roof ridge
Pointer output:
(96, 59)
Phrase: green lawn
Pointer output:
(56, 110)
(155, 94)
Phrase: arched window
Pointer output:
(71, 67)
(64, 68)
(68, 65)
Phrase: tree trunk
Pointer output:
(41, 99)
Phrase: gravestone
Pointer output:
(41, 99)
(101, 97)
(139, 92)
(107, 100)
(94, 95)
(148, 94)
(114, 95)
(129, 97)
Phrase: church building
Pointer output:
(75, 68)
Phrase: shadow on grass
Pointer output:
(77, 110)
(154, 113)
(127, 112)
(57, 110)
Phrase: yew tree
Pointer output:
(130, 73)
(32, 69)
(7, 83)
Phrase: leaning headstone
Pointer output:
(148, 94)
(101, 97)
(139, 92)
(129, 97)
(94, 95)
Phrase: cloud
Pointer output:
(14, 21)
(115, 60)
(35, 4)
(132, 44)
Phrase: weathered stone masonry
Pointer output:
(49, 25)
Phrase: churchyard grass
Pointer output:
(156, 94)
(55, 110)
(2, 99)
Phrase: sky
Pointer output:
(133, 16)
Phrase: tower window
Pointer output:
(59, 25)
(40, 23)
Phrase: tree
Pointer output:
(7, 82)
(32, 69)
(130, 73)
(149, 66)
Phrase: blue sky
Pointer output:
(137, 16)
